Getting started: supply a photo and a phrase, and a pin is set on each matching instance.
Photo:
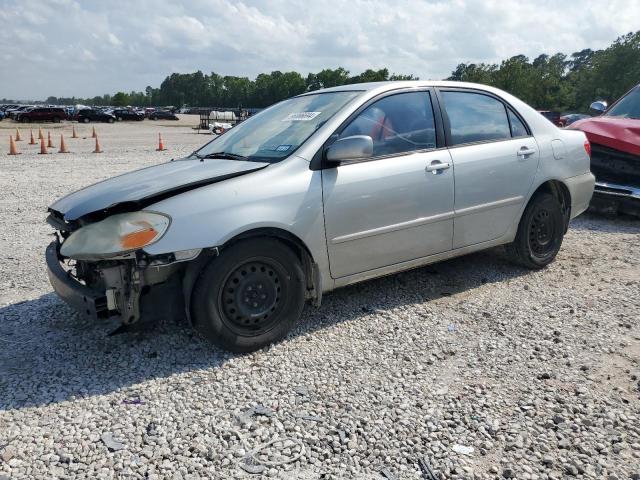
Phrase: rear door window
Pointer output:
(474, 117)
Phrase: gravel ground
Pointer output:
(477, 367)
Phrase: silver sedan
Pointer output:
(320, 191)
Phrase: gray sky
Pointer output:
(91, 47)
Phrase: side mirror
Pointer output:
(600, 106)
(349, 148)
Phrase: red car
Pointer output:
(615, 153)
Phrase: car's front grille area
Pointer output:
(613, 166)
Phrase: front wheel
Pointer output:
(110, 120)
(85, 120)
(249, 296)
(56, 119)
(540, 232)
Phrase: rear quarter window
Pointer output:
(517, 127)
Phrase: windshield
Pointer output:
(628, 106)
(278, 131)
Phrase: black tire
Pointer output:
(540, 233)
(25, 120)
(110, 120)
(56, 119)
(250, 296)
(85, 119)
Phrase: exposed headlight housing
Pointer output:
(116, 235)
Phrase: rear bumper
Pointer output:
(581, 190)
(87, 301)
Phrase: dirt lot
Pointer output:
(477, 367)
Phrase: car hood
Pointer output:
(137, 189)
(620, 133)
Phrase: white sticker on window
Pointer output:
(301, 116)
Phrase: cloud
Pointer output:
(68, 47)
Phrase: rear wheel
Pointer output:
(85, 120)
(110, 120)
(56, 119)
(540, 232)
(25, 119)
(249, 296)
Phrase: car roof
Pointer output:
(370, 90)
(393, 85)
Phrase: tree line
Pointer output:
(555, 82)
(561, 82)
(215, 90)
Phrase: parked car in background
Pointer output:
(615, 153)
(569, 118)
(163, 115)
(127, 114)
(14, 112)
(1, 115)
(42, 114)
(323, 190)
(87, 115)
(7, 107)
(553, 117)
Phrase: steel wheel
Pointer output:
(541, 233)
(251, 296)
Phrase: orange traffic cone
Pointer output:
(73, 133)
(33, 140)
(13, 150)
(43, 147)
(18, 137)
(40, 134)
(160, 144)
(97, 150)
(49, 142)
(93, 133)
(63, 146)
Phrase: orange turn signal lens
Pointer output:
(139, 238)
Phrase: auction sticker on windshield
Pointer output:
(301, 116)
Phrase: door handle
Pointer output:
(436, 166)
(524, 151)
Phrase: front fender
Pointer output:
(286, 196)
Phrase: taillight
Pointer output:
(587, 147)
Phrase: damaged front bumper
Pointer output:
(127, 289)
(617, 188)
(614, 198)
(87, 301)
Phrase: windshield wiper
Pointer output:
(223, 155)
